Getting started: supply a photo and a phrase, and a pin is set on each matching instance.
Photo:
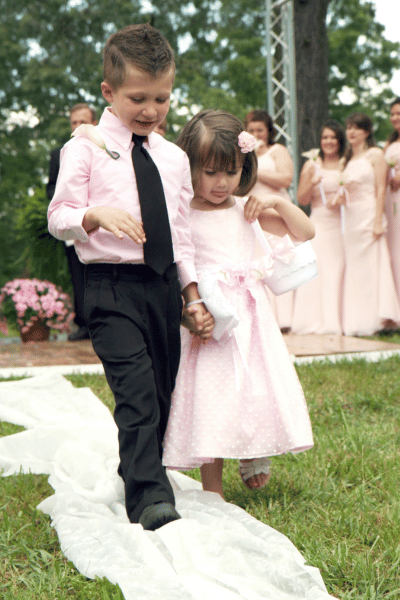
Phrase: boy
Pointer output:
(132, 310)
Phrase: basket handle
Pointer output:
(262, 240)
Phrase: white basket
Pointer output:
(224, 313)
(287, 276)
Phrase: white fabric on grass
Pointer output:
(215, 552)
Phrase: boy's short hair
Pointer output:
(141, 46)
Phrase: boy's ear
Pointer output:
(106, 91)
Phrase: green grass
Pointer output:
(12, 332)
(338, 503)
(392, 337)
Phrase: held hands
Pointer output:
(254, 207)
(115, 220)
(198, 321)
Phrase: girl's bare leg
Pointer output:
(211, 476)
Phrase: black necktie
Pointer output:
(158, 253)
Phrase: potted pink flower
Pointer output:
(34, 306)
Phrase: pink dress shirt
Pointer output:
(90, 177)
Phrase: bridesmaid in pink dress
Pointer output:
(392, 204)
(274, 176)
(318, 304)
(370, 299)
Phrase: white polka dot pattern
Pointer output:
(240, 397)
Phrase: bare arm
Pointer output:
(377, 159)
(280, 217)
(282, 177)
(306, 183)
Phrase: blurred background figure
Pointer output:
(370, 301)
(318, 304)
(79, 114)
(392, 204)
(274, 176)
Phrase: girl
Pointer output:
(370, 301)
(318, 304)
(392, 204)
(239, 397)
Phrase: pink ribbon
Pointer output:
(241, 276)
(283, 250)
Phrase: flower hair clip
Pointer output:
(246, 142)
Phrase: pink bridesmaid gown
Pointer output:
(282, 306)
(318, 304)
(369, 292)
(392, 210)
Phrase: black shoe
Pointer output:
(156, 515)
(81, 334)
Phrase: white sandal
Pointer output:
(257, 466)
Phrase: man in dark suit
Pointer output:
(79, 114)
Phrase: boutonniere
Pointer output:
(90, 132)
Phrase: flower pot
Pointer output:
(36, 333)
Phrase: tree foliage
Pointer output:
(50, 58)
(362, 62)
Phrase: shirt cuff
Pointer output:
(186, 273)
(69, 227)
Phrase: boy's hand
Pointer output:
(199, 321)
(115, 220)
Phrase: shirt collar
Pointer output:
(112, 125)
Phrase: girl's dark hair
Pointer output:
(264, 117)
(210, 139)
(394, 136)
(340, 135)
(362, 121)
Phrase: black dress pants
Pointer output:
(133, 315)
(77, 272)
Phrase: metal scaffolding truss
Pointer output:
(281, 76)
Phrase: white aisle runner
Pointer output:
(215, 552)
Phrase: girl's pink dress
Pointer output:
(318, 304)
(240, 397)
(392, 210)
(282, 306)
(369, 292)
